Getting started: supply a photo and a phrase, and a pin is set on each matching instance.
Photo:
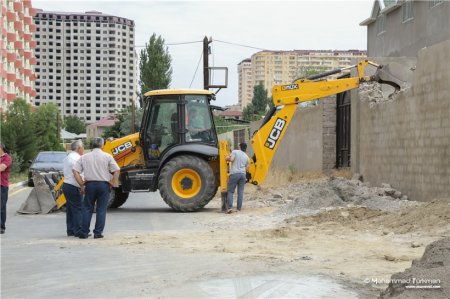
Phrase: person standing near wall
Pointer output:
(5, 166)
(72, 192)
(239, 167)
(97, 167)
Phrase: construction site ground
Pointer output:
(310, 237)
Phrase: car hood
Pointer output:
(47, 166)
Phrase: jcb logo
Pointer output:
(275, 133)
(121, 148)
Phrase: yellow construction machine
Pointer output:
(177, 151)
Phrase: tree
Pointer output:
(154, 66)
(259, 103)
(260, 98)
(114, 130)
(18, 131)
(74, 124)
(46, 128)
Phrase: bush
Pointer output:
(17, 163)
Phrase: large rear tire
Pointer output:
(118, 198)
(187, 183)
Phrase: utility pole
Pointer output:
(133, 116)
(58, 126)
(206, 63)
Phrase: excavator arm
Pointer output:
(266, 140)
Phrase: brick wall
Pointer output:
(405, 141)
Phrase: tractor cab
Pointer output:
(176, 117)
(176, 124)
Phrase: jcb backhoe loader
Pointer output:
(177, 151)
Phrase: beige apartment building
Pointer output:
(16, 51)
(283, 67)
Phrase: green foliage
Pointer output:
(18, 131)
(17, 162)
(45, 127)
(74, 124)
(258, 106)
(154, 66)
(125, 126)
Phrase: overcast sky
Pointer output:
(271, 25)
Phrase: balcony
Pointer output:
(28, 54)
(11, 16)
(33, 93)
(17, 24)
(10, 77)
(11, 36)
(27, 37)
(27, 89)
(10, 56)
(27, 72)
(33, 61)
(32, 28)
(18, 64)
(17, 6)
(33, 77)
(33, 12)
(10, 97)
(28, 20)
(33, 44)
(19, 84)
(18, 45)
(27, 3)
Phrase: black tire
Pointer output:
(206, 190)
(118, 198)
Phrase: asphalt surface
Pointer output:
(38, 260)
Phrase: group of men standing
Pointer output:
(88, 179)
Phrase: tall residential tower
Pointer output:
(86, 63)
(16, 51)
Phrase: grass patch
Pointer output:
(18, 177)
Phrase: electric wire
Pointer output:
(196, 69)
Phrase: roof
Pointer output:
(108, 121)
(177, 91)
(380, 7)
(230, 113)
(67, 135)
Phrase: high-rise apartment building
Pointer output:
(245, 82)
(16, 56)
(283, 67)
(85, 63)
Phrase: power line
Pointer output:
(196, 69)
(240, 45)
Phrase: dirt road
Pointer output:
(313, 238)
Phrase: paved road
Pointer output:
(39, 261)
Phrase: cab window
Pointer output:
(198, 119)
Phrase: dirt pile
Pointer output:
(428, 277)
(308, 198)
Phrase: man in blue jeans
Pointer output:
(239, 167)
(71, 190)
(97, 167)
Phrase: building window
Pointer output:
(408, 12)
(433, 3)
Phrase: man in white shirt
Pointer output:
(71, 190)
(240, 163)
(97, 167)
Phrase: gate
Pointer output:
(343, 110)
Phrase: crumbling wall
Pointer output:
(405, 140)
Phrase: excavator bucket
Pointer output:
(384, 75)
(46, 196)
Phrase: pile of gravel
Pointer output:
(309, 198)
(428, 277)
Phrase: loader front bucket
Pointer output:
(46, 195)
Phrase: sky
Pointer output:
(245, 26)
